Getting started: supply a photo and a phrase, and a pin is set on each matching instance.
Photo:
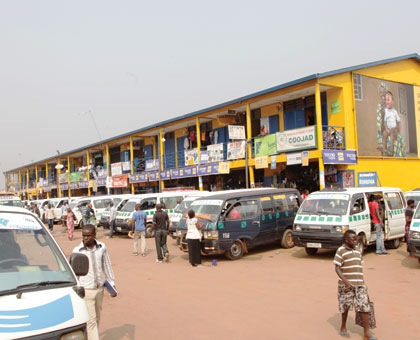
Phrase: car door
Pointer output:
(268, 225)
(395, 215)
(359, 219)
(282, 214)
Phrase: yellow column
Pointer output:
(13, 181)
(198, 133)
(154, 149)
(249, 136)
(88, 163)
(6, 177)
(68, 174)
(36, 181)
(20, 181)
(161, 157)
(46, 171)
(27, 183)
(319, 134)
(107, 159)
(58, 179)
(131, 162)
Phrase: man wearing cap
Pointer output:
(138, 227)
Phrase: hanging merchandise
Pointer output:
(211, 136)
(192, 136)
(216, 137)
(203, 136)
(186, 143)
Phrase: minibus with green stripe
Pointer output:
(414, 234)
(326, 215)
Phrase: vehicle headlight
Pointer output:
(211, 235)
(297, 227)
(341, 228)
(77, 335)
(415, 235)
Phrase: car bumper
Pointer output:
(208, 247)
(325, 240)
(414, 247)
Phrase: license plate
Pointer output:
(313, 245)
(118, 228)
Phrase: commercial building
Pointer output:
(356, 126)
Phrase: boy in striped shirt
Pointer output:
(352, 290)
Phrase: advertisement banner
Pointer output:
(120, 181)
(346, 178)
(191, 156)
(236, 132)
(73, 185)
(64, 186)
(102, 182)
(215, 153)
(261, 162)
(305, 158)
(190, 171)
(74, 177)
(109, 182)
(116, 169)
(209, 169)
(339, 156)
(294, 158)
(102, 173)
(63, 178)
(153, 176)
(204, 159)
(296, 139)
(386, 117)
(264, 126)
(367, 179)
(84, 184)
(265, 146)
(236, 150)
(138, 178)
(273, 163)
(224, 167)
(152, 164)
(126, 166)
(165, 175)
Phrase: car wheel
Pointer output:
(236, 251)
(395, 243)
(361, 244)
(149, 231)
(311, 251)
(287, 240)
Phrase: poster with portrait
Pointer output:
(386, 117)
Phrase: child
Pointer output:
(70, 223)
(391, 122)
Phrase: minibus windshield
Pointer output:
(129, 206)
(182, 208)
(325, 204)
(29, 258)
(207, 209)
(417, 213)
(415, 196)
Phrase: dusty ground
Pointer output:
(271, 293)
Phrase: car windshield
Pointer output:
(102, 203)
(12, 203)
(415, 196)
(183, 207)
(28, 255)
(116, 201)
(129, 206)
(72, 205)
(325, 204)
(207, 209)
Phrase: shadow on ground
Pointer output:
(122, 332)
(352, 328)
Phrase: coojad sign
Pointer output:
(297, 139)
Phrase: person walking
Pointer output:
(138, 227)
(112, 216)
(161, 226)
(50, 215)
(352, 290)
(376, 215)
(193, 239)
(69, 216)
(64, 212)
(99, 262)
(35, 209)
(90, 215)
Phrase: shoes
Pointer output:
(167, 257)
(143, 254)
(135, 254)
(385, 253)
(344, 334)
(108, 237)
(159, 261)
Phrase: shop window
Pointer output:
(394, 200)
(280, 202)
(358, 89)
(266, 205)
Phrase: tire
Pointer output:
(236, 251)
(149, 231)
(311, 251)
(287, 240)
(361, 244)
(394, 244)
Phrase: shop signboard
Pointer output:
(47, 188)
(138, 178)
(236, 150)
(305, 158)
(191, 156)
(120, 181)
(339, 156)
(261, 162)
(367, 179)
(152, 164)
(84, 184)
(296, 139)
(126, 166)
(73, 185)
(109, 182)
(215, 153)
(236, 132)
(102, 173)
(265, 146)
(204, 157)
(273, 163)
(83, 176)
(294, 158)
(190, 171)
(74, 177)
(116, 169)
(165, 175)
(64, 186)
(153, 176)
(101, 182)
(209, 169)
(224, 167)
(63, 178)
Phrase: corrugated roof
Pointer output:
(234, 101)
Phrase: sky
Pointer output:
(129, 64)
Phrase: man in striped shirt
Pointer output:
(352, 290)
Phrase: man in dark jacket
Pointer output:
(161, 226)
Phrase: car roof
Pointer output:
(4, 208)
(249, 193)
(357, 190)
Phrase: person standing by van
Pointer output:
(352, 290)
(193, 238)
(99, 262)
(112, 216)
(49, 214)
(90, 215)
(376, 215)
(161, 226)
(138, 227)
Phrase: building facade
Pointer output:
(358, 126)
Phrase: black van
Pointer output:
(238, 220)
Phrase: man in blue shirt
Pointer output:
(138, 226)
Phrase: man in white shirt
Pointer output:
(93, 282)
(112, 215)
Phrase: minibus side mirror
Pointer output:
(80, 264)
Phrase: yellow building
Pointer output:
(356, 126)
